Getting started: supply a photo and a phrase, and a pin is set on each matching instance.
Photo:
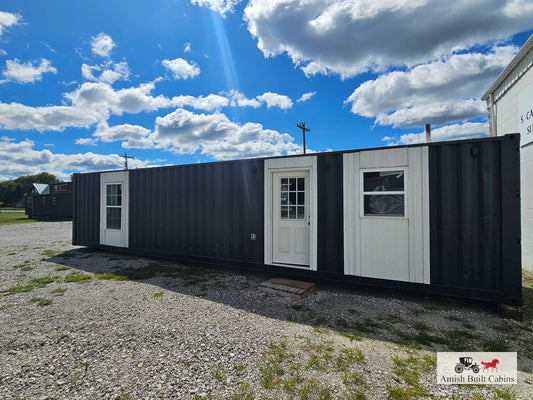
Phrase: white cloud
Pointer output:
(220, 6)
(7, 20)
(305, 97)
(438, 92)
(468, 130)
(20, 158)
(275, 100)
(181, 69)
(102, 45)
(185, 132)
(87, 141)
(110, 72)
(348, 37)
(187, 48)
(238, 99)
(210, 102)
(27, 72)
(130, 135)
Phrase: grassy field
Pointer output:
(14, 217)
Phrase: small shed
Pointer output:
(440, 218)
(49, 201)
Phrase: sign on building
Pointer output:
(525, 115)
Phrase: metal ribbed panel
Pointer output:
(204, 210)
(330, 224)
(473, 187)
(86, 209)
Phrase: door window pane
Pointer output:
(114, 195)
(292, 198)
(113, 217)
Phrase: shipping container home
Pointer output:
(441, 218)
(49, 201)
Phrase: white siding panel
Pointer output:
(386, 158)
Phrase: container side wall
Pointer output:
(86, 209)
(467, 210)
(206, 210)
(330, 214)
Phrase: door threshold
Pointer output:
(299, 266)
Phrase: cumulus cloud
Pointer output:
(20, 158)
(305, 97)
(467, 130)
(347, 37)
(415, 97)
(87, 141)
(187, 48)
(184, 132)
(238, 99)
(210, 102)
(27, 72)
(130, 135)
(102, 44)
(221, 6)
(275, 100)
(7, 19)
(109, 72)
(181, 69)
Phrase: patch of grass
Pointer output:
(239, 367)
(62, 268)
(408, 370)
(28, 268)
(108, 276)
(58, 291)
(350, 336)
(504, 393)
(56, 253)
(23, 265)
(219, 374)
(40, 301)
(77, 277)
(460, 340)
(11, 218)
(32, 284)
(495, 345)
(153, 296)
(349, 356)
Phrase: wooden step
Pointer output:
(287, 287)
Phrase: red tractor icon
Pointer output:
(466, 363)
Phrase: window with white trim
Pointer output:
(384, 193)
(114, 206)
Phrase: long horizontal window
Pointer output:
(384, 193)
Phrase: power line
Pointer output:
(125, 157)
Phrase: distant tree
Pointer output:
(13, 190)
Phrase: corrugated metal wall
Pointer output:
(330, 256)
(475, 218)
(203, 210)
(86, 209)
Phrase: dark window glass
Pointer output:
(383, 181)
(292, 198)
(113, 218)
(386, 204)
(114, 195)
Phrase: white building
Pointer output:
(510, 106)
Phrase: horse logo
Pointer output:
(492, 364)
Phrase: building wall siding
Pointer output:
(208, 210)
(475, 217)
(86, 209)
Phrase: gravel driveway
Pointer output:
(83, 324)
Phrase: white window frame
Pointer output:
(404, 192)
(108, 206)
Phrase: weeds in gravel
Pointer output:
(58, 291)
(504, 393)
(495, 345)
(40, 301)
(23, 265)
(219, 374)
(78, 277)
(62, 268)
(108, 276)
(32, 284)
(153, 296)
(293, 369)
(408, 373)
(56, 253)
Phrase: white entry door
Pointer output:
(290, 218)
(114, 208)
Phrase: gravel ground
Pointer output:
(182, 332)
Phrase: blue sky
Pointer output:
(176, 82)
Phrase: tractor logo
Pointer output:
(466, 363)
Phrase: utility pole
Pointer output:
(304, 129)
(125, 157)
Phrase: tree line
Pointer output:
(14, 190)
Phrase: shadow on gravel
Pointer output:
(356, 312)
